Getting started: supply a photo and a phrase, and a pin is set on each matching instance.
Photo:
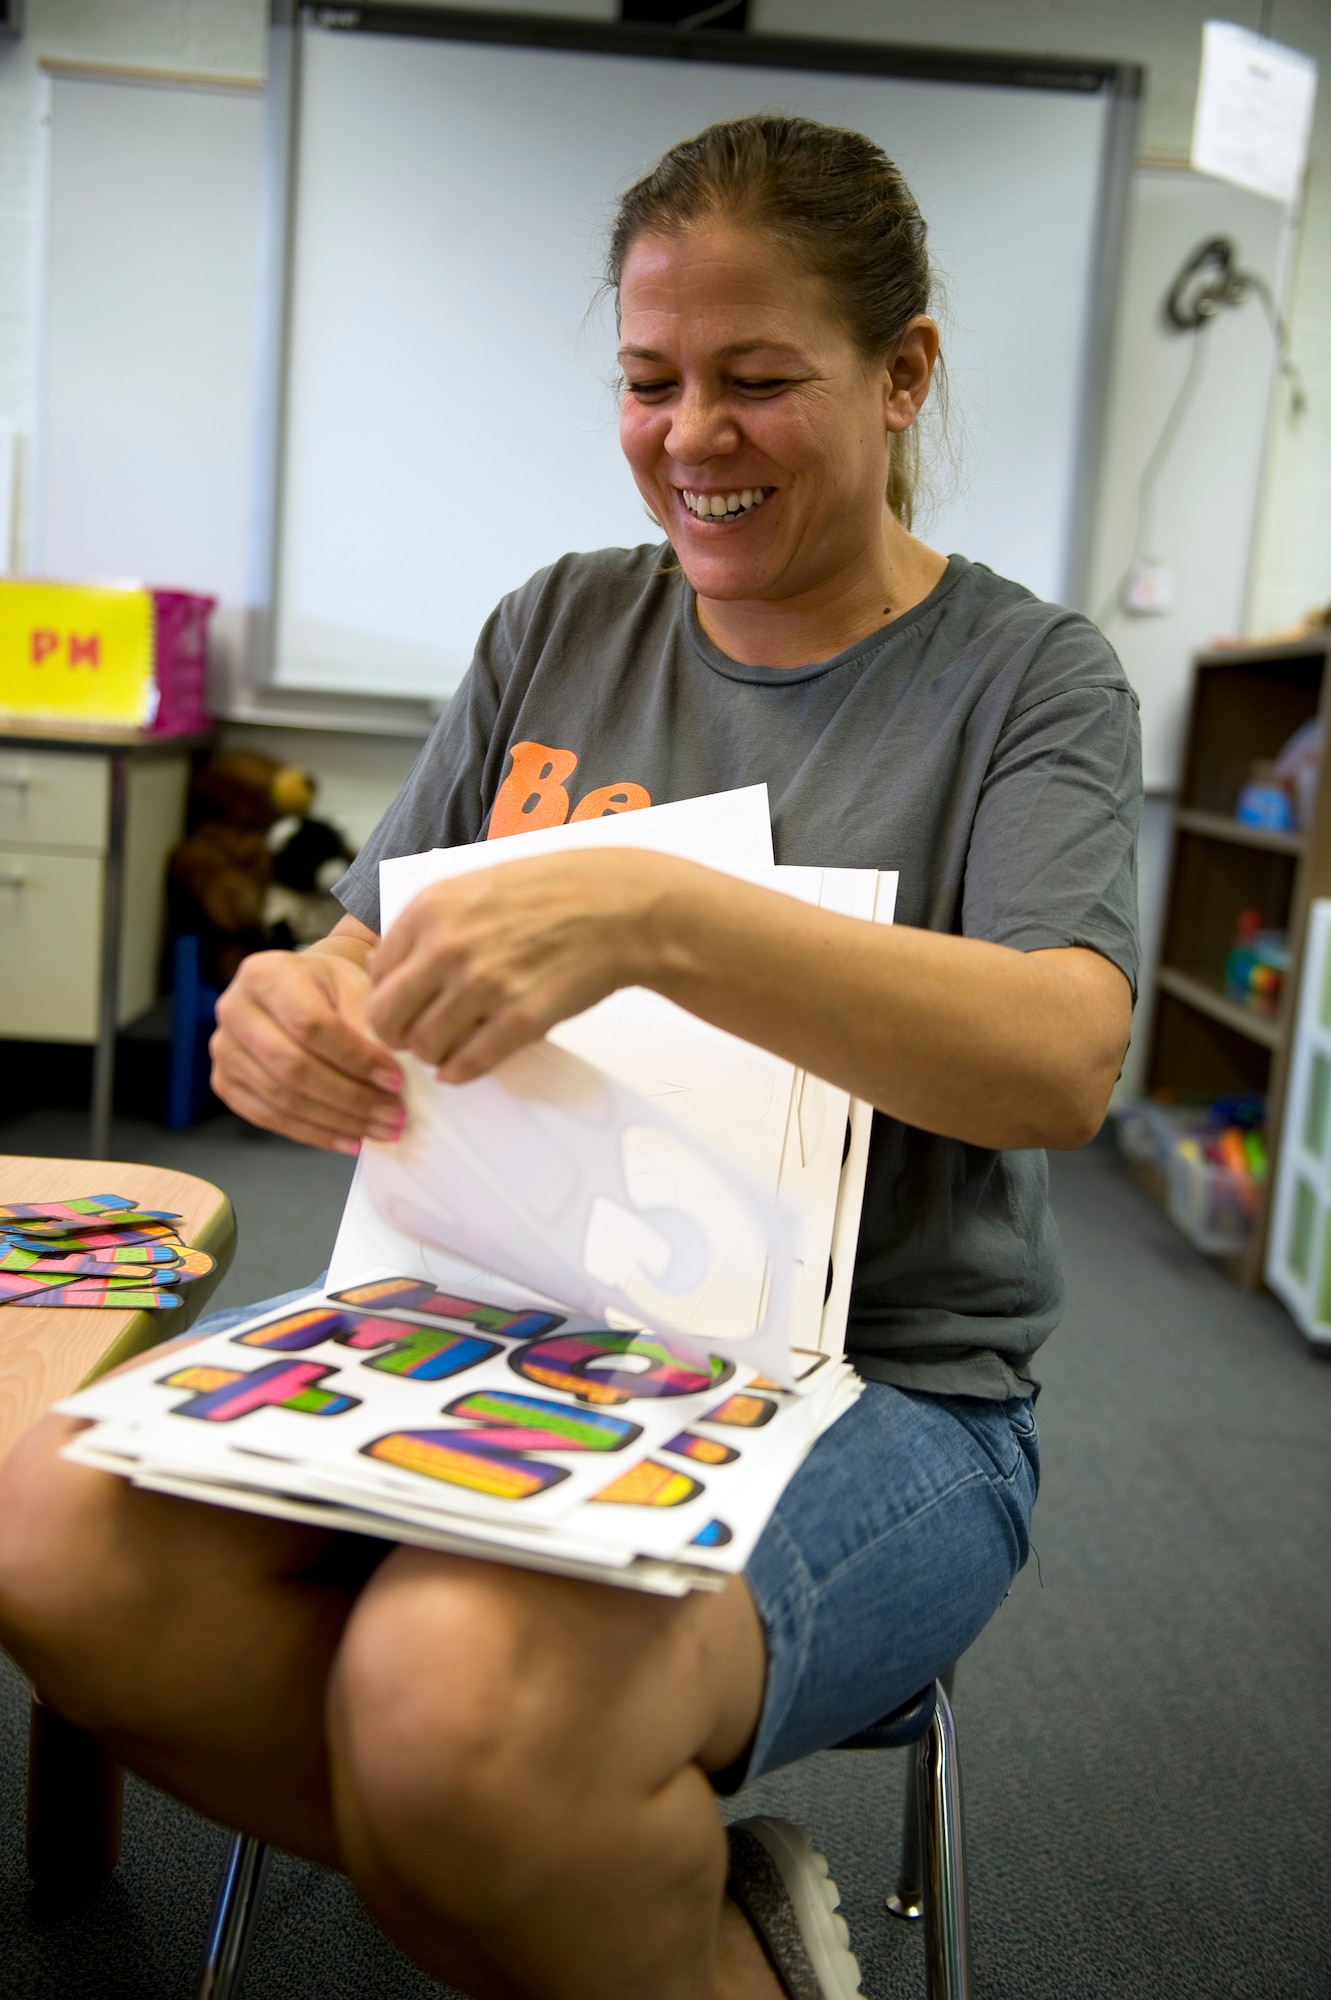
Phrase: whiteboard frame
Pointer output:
(1119, 83)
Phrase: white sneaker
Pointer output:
(783, 1887)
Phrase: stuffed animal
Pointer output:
(229, 880)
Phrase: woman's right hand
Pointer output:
(292, 1052)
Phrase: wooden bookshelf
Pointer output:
(1246, 703)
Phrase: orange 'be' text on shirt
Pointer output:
(533, 794)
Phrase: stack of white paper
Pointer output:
(526, 1436)
(586, 1316)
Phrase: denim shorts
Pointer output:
(888, 1554)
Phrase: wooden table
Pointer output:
(46, 1354)
(74, 1788)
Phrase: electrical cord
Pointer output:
(1160, 450)
(1207, 284)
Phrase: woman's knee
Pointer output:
(437, 1737)
(98, 1578)
(49, 1571)
(467, 1772)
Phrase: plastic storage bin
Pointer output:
(1214, 1206)
(181, 661)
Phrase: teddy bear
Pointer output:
(253, 871)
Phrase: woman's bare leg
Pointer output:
(518, 1779)
(517, 1761)
(193, 1641)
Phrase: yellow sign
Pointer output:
(71, 652)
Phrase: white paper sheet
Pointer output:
(555, 1173)
(1254, 111)
(728, 831)
(783, 1131)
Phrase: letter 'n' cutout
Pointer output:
(220, 1395)
(494, 1458)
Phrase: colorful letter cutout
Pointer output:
(220, 1395)
(494, 1458)
(576, 1363)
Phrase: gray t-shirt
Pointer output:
(985, 744)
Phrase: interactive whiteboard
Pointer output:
(449, 421)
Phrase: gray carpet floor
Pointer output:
(1145, 1727)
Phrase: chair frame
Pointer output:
(931, 1872)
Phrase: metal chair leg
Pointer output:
(907, 1899)
(946, 1915)
(232, 1930)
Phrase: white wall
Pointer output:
(203, 37)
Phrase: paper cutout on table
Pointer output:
(95, 1251)
(88, 1210)
(115, 1238)
(89, 1292)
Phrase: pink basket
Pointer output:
(181, 661)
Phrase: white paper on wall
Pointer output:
(1254, 113)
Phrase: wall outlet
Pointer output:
(1149, 590)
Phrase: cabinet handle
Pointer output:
(13, 878)
(14, 782)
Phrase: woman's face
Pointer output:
(755, 430)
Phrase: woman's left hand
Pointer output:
(477, 967)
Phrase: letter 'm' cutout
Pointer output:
(419, 1296)
(533, 793)
(85, 652)
(220, 1395)
(494, 1458)
(575, 1363)
(394, 1346)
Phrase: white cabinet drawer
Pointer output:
(50, 944)
(53, 798)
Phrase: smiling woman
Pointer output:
(484, 1748)
(739, 379)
